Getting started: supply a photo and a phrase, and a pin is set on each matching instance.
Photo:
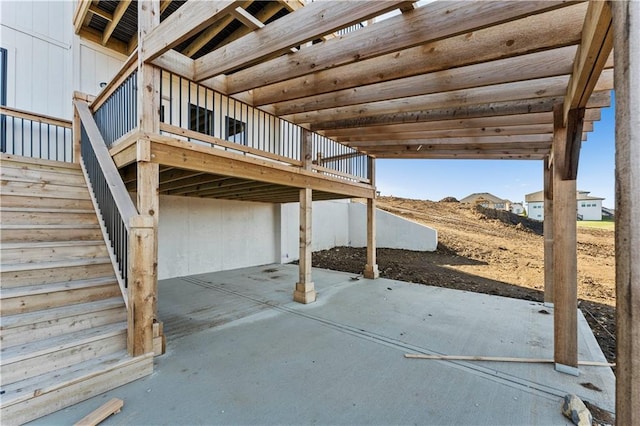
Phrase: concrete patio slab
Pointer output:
(239, 351)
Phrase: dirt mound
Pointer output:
(509, 218)
(449, 200)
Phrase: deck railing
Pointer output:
(199, 114)
(35, 135)
(109, 191)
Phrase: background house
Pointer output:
(517, 208)
(588, 207)
(487, 200)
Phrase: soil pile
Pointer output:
(481, 254)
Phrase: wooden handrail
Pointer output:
(40, 118)
(348, 176)
(118, 190)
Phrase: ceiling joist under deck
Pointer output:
(438, 76)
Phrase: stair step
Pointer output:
(44, 233)
(96, 268)
(23, 174)
(17, 216)
(35, 252)
(20, 161)
(33, 398)
(33, 359)
(27, 327)
(24, 299)
(13, 187)
(15, 267)
(35, 200)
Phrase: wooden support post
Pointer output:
(141, 285)
(148, 177)
(371, 268)
(305, 291)
(626, 26)
(76, 133)
(548, 232)
(565, 269)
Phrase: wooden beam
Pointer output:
(306, 24)
(590, 59)
(190, 19)
(176, 63)
(565, 270)
(548, 230)
(626, 20)
(95, 36)
(246, 18)
(213, 30)
(191, 156)
(397, 54)
(549, 63)
(164, 4)
(461, 155)
(544, 139)
(417, 151)
(121, 8)
(575, 124)
(305, 291)
(80, 13)
(101, 13)
(532, 89)
(517, 107)
(266, 13)
(534, 129)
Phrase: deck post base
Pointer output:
(304, 293)
(371, 272)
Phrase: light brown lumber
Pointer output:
(121, 8)
(430, 22)
(80, 13)
(371, 268)
(626, 20)
(565, 269)
(461, 155)
(99, 414)
(548, 63)
(305, 290)
(494, 109)
(306, 24)
(532, 89)
(191, 18)
(172, 152)
(101, 13)
(38, 118)
(480, 140)
(266, 13)
(501, 359)
(590, 59)
(548, 229)
(213, 30)
(95, 36)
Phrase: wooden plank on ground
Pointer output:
(101, 413)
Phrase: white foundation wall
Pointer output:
(198, 235)
(329, 228)
(342, 223)
(391, 231)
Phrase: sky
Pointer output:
(509, 179)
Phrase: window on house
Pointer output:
(200, 119)
(236, 130)
(583, 205)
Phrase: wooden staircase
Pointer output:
(63, 321)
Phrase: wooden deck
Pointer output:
(194, 170)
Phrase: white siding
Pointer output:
(535, 210)
(38, 39)
(590, 209)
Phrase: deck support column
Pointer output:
(371, 268)
(143, 281)
(565, 267)
(305, 290)
(548, 231)
(626, 27)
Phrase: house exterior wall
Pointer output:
(536, 210)
(38, 37)
(590, 209)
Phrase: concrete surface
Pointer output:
(240, 352)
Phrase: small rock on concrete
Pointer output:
(574, 409)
